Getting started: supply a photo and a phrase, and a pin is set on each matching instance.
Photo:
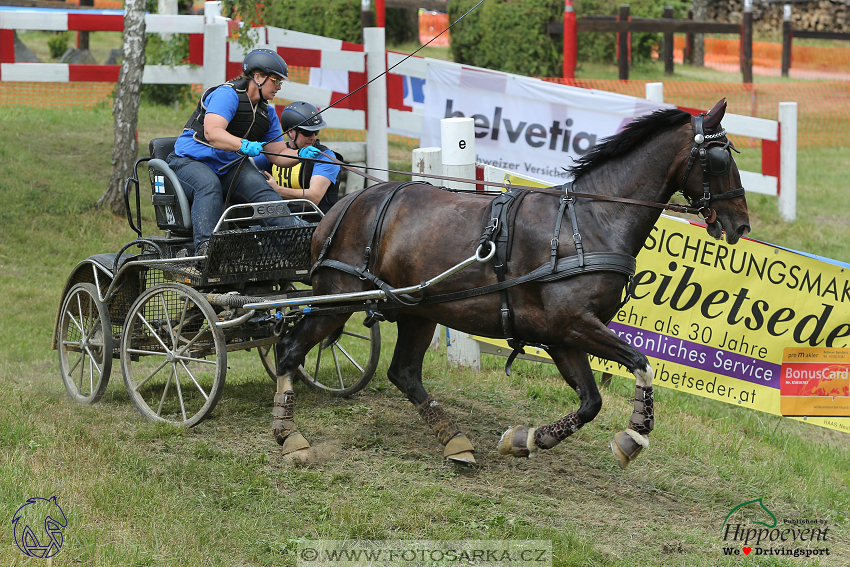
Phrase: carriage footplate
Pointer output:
(373, 317)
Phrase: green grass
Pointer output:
(138, 493)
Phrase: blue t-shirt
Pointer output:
(222, 101)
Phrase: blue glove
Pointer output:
(311, 152)
(250, 149)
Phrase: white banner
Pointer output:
(525, 125)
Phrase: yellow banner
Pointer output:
(715, 320)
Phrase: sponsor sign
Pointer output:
(524, 125)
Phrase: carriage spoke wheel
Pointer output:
(269, 361)
(345, 365)
(173, 356)
(85, 344)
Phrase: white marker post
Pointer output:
(457, 141)
(430, 161)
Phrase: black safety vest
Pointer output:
(250, 122)
(298, 177)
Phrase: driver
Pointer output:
(233, 120)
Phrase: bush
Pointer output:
(339, 19)
(508, 35)
(171, 52)
(58, 45)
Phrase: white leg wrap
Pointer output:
(644, 377)
(639, 439)
(529, 442)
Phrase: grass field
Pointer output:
(139, 494)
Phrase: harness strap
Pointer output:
(376, 224)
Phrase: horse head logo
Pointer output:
(38, 526)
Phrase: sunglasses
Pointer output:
(276, 82)
(306, 132)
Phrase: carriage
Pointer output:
(376, 252)
(170, 318)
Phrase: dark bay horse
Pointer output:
(399, 235)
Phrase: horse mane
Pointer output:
(631, 136)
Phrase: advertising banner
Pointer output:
(752, 324)
(525, 125)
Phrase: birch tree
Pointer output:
(125, 109)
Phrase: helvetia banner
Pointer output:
(525, 125)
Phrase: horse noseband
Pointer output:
(716, 159)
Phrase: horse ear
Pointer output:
(715, 115)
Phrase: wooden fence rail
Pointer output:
(624, 24)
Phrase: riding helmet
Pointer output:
(301, 115)
(265, 61)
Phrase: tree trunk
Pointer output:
(125, 109)
(700, 8)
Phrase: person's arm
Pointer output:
(318, 187)
(215, 131)
(279, 147)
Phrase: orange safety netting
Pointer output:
(430, 25)
(102, 4)
(823, 108)
(765, 54)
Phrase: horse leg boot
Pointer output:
(628, 444)
(405, 371)
(520, 441)
(457, 446)
(294, 444)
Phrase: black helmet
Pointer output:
(265, 61)
(302, 115)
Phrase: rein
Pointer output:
(694, 210)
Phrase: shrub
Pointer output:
(58, 45)
(508, 35)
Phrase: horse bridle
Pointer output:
(715, 158)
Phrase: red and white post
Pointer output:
(570, 40)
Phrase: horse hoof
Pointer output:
(459, 450)
(627, 445)
(463, 458)
(300, 456)
(292, 442)
(518, 441)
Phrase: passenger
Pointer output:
(316, 181)
(233, 120)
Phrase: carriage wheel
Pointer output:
(173, 356)
(343, 366)
(269, 360)
(85, 344)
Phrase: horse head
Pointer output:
(710, 179)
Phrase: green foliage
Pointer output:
(339, 19)
(601, 47)
(511, 36)
(508, 35)
(58, 45)
(402, 25)
(171, 52)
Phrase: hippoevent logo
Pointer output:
(750, 528)
(38, 526)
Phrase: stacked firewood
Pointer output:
(814, 15)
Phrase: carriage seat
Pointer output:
(169, 200)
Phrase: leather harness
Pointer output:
(498, 231)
